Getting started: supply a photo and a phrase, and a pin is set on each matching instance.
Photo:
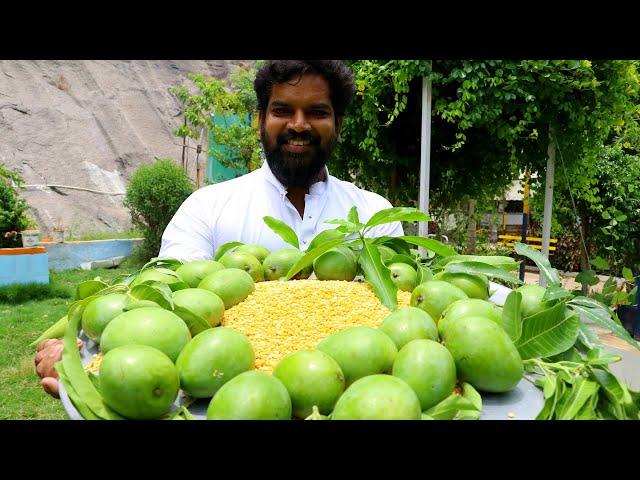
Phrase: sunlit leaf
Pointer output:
(511, 315)
(283, 230)
(547, 333)
(549, 273)
(378, 276)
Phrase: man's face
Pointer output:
(299, 130)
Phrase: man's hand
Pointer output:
(49, 353)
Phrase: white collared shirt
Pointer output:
(234, 210)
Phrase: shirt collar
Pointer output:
(317, 188)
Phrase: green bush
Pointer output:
(153, 195)
(13, 217)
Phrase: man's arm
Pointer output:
(189, 234)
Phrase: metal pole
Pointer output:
(425, 154)
(548, 197)
(525, 217)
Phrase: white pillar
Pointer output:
(425, 154)
(548, 196)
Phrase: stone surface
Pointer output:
(90, 124)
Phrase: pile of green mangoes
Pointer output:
(427, 360)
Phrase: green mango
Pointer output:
(484, 354)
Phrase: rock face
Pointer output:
(91, 124)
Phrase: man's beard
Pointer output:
(297, 169)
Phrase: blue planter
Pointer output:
(24, 265)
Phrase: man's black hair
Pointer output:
(337, 74)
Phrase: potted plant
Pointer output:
(30, 234)
(58, 233)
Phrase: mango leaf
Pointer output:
(283, 230)
(157, 292)
(507, 264)
(168, 263)
(353, 215)
(397, 214)
(324, 237)
(472, 395)
(467, 415)
(617, 393)
(424, 274)
(588, 411)
(588, 277)
(511, 316)
(548, 385)
(82, 408)
(482, 268)
(547, 333)
(588, 337)
(556, 292)
(599, 314)
(550, 274)
(400, 258)
(95, 379)
(311, 255)
(607, 411)
(577, 396)
(77, 380)
(600, 263)
(378, 276)
(430, 244)
(345, 226)
(224, 248)
(627, 274)
(546, 413)
(449, 407)
(596, 357)
(609, 286)
(88, 288)
(181, 413)
(397, 244)
(549, 409)
(195, 322)
(56, 330)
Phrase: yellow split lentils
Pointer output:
(280, 318)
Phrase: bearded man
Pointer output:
(301, 106)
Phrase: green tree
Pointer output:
(13, 208)
(154, 194)
(608, 208)
(215, 96)
(491, 120)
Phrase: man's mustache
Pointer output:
(303, 136)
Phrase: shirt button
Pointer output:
(309, 217)
(304, 241)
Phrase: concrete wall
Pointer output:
(70, 255)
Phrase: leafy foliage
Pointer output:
(490, 116)
(13, 208)
(233, 97)
(154, 194)
(608, 205)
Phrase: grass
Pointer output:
(21, 396)
(16, 294)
